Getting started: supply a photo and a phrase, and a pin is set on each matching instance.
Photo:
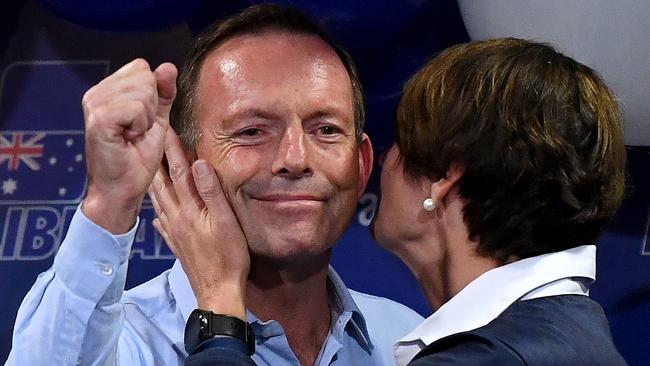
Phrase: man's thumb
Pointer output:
(166, 81)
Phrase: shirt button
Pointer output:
(106, 269)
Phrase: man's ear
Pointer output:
(441, 188)
(365, 162)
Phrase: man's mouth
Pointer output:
(298, 203)
(288, 197)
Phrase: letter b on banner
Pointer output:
(30, 233)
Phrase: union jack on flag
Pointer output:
(23, 147)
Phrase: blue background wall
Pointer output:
(52, 51)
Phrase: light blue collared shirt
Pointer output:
(77, 312)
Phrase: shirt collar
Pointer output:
(513, 281)
(346, 310)
(347, 307)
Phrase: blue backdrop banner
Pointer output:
(53, 51)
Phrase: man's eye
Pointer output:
(328, 130)
(250, 132)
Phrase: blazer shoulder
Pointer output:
(468, 349)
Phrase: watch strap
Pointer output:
(203, 325)
(218, 324)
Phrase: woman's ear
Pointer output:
(441, 188)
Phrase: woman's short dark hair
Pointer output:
(252, 20)
(537, 134)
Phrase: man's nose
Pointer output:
(292, 158)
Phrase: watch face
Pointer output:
(204, 326)
(193, 330)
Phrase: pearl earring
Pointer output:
(429, 205)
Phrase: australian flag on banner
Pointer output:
(42, 166)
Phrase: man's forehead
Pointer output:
(271, 46)
(252, 63)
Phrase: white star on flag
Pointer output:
(9, 186)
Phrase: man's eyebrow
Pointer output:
(249, 113)
(326, 113)
(257, 113)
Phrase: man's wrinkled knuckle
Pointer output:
(96, 116)
(140, 64)
(150, 94)
(176, 172)
(209, 192)
(139, 107)
(88, 99)
(150, 80)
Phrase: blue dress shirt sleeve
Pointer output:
(73, 314)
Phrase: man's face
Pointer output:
(276, 117)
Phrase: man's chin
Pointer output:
(286, 260)
(289, 250)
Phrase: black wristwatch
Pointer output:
(203, 325)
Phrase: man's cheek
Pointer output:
(345, 175)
